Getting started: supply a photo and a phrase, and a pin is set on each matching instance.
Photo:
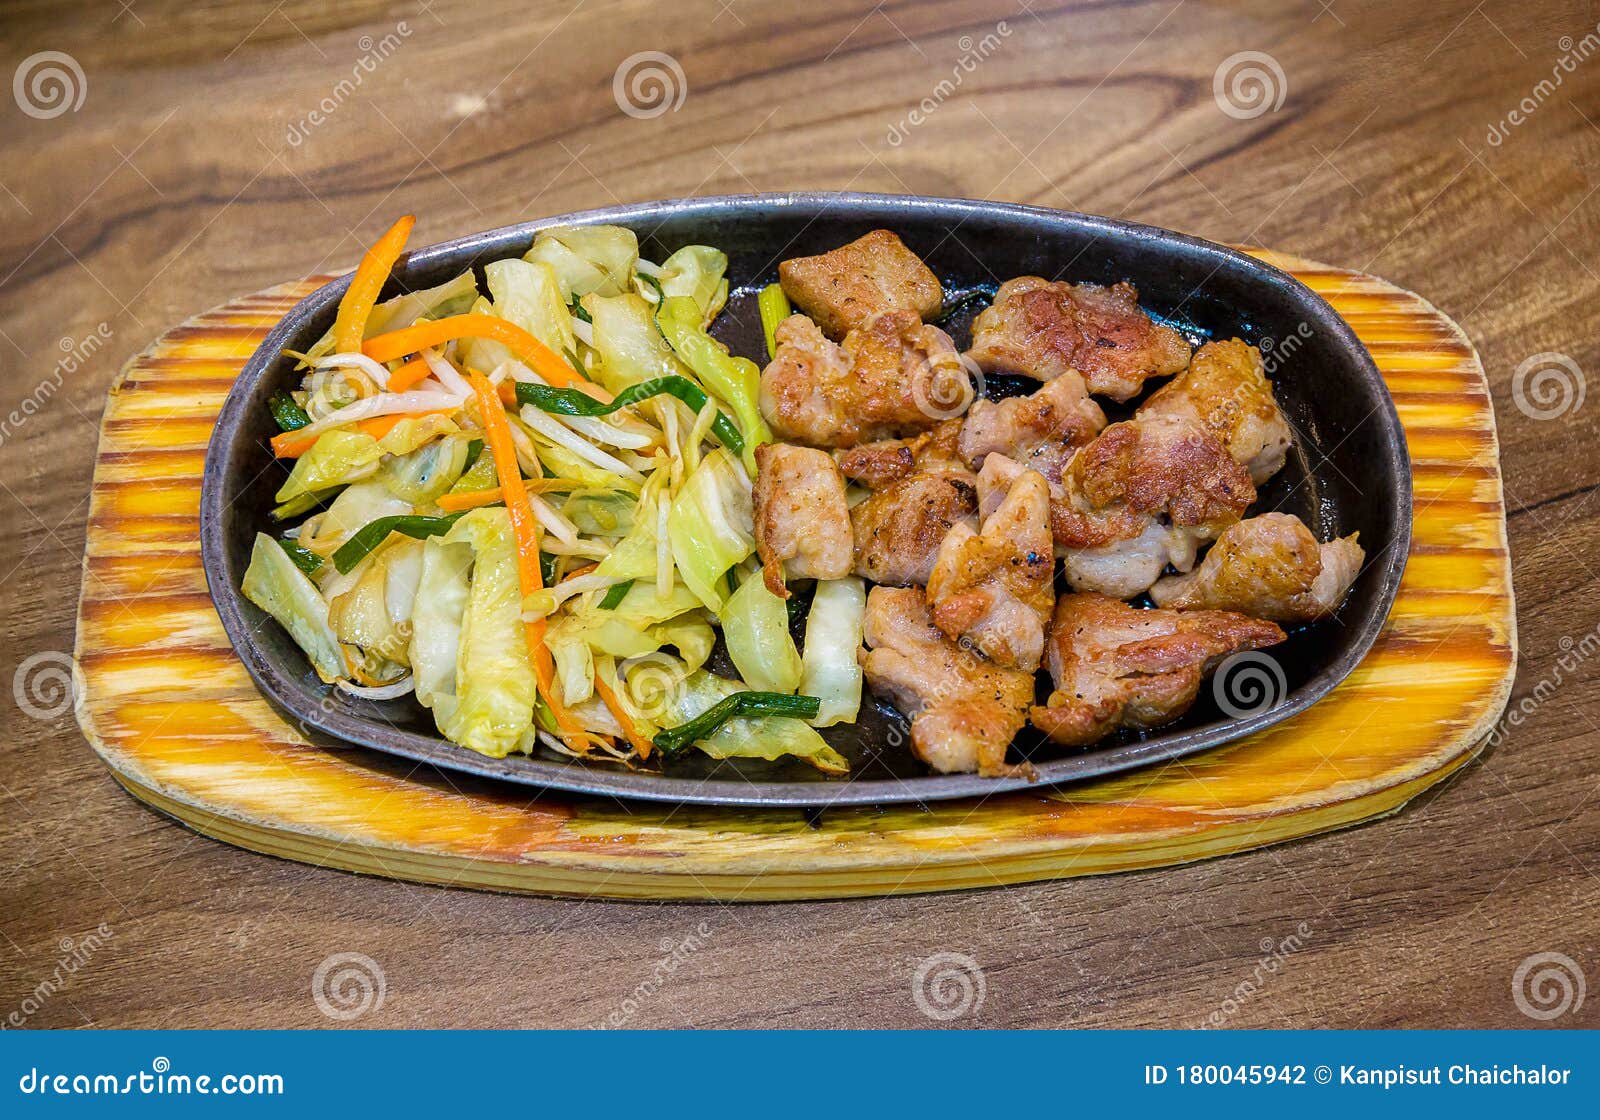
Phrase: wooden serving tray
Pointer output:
(168, 706)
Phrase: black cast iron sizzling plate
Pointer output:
(1348, 471)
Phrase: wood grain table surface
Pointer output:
(217, 149)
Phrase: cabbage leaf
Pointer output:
(736, 380)
(755, 624)
(440, 605)
(588, 259)
(830, 666)
(697, 272)
(710, 526)
(333, 460)
(277, 586)
(494, 675)
(769, 737)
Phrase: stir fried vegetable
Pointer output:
(830, 669)
(277, 586)
(507, 500)
(755, 624)
(362, 294)
(735, 380)
(571, 402)
(739, 705)
(367, 539)
(774, 307)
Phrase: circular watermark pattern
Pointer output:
(948, 986)
(945, 388)
(1547, 386)
(161, 1065)
(347, 986)
(1248, 684)
(48, 84)
(1547, 986)
(1249, 84)
(655, 683)
(648, 84)
(46, 685)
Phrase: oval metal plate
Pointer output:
(1348, 472)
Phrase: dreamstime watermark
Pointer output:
(656, 684)
(1244, 399)
(47, 685)
(1547, 386)
(945, 386)
(48, 84)
(1574, 654)
(373, 54)
(1248, 684)
(1249, 84)
(1573, 54)
(973, 52)
(1274, 954)
(158, 1080)
(74, 955)
(1275, 354)
(74, 353)
(674, 954)
(1546, 986)
(947, 986)
(649, 84)
(347, 986)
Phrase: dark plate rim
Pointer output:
(598, 781)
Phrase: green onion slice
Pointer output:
(290, 416)
(374, 533)
(737, 706)
(575, 402)
(615, 594)
(304, 559)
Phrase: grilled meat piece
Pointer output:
(1044, 329)
(802, 521)
(1270, 566)
(1117, 666)
(964, 710)
(892, 376)
(843, 288)
(1225, 390)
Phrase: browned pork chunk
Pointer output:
(1142, 495)
(1226, 391)
(892, 376)
(880, 464)
(1040, 431)
(1044, 329)
(1270, 566)
(1117, 666)
(964, 710)
(802, 520)
(994, 586)
(843, 288)
(898, 530)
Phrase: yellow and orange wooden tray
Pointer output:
(168, 706)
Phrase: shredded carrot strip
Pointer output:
(414, 339)
(640, 743)
(497, 434)
(292, 445)
(366, 284)
(469, 500)
(412, 373)
(576, 572)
